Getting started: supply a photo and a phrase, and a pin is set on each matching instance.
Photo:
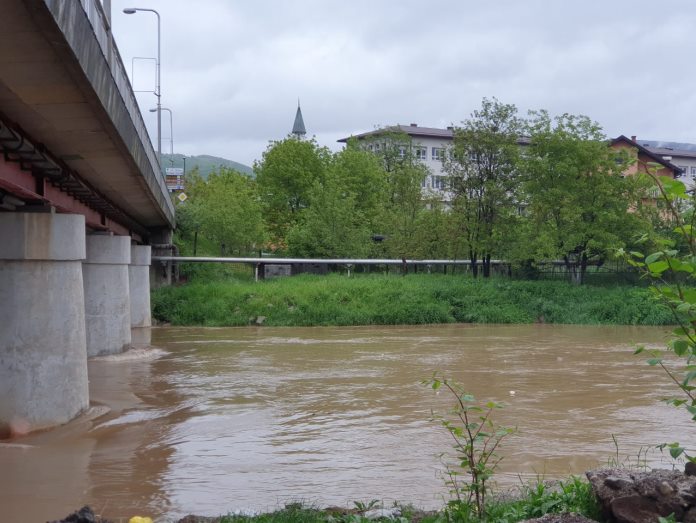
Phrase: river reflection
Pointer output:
(249, 418)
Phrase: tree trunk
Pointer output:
(486, 263)
(583, 269)
(474, 264)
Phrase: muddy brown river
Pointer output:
(220, 420)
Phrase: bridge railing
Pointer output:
(100, 25)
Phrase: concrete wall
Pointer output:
(43, 357)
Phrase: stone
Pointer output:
(568, 517)
(690, 468)
(634, 509)
(641, 497)
(84, 515)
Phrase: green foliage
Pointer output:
(343, 209)
(673, 271)
(286, 174)
(482, 168)
(476, 440)
(577, 198)
(378, 300)
(535, 500)
(222, 211)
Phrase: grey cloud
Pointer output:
(232, 70)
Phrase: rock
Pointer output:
(690, 468)
(84, 515)
(665, 489)
(634, 509)
(260, 320)
(377, 513)
(641, 497)
(560, 518)
(198, 519)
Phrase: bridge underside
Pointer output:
(71, 134)
(80, 185)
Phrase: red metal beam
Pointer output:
(24, 185)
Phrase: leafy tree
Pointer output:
(228, 210)
(344, 208)
(403, 197)
(482, 168)
(580, 204)
(285, 175)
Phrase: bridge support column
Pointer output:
(139, 280)
(107, 296)
(43, 359)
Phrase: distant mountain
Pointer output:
(669, 145)
(205, 163)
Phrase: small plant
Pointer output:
(672, 267)
(365, 507)
(476, 439)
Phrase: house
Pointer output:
(683, 155)
(645, 158)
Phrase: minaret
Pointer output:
(298, 128)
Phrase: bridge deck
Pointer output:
(64, 87)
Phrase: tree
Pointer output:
(344, 208)
(580, 204)
(285, 175)
(482, 168)
(403, 197)
(229, 211)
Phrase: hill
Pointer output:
(205, 163)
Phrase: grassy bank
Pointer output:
(531, 501)
(393, 300)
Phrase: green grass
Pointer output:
(335, 299)
(532, 501)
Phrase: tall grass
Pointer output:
(335, 299)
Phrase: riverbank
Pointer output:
(394, 300)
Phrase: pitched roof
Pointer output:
(678, 171)
(298, 127)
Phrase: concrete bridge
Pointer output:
(82, 200)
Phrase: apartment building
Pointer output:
(428, 144)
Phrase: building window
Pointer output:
(402, 151)
(438, 153)
(439, 182)
(421, 153)
(693, 171)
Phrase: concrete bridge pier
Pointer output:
(107, 295)
(43, 359)
(139, 281)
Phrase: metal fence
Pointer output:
(260, 268)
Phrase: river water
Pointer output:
(218, 420)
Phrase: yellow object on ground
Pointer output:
(139, 519)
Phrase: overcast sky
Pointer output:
(232, 70)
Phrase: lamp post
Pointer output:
(171, 127)
(158, 89)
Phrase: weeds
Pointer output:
(476, 439)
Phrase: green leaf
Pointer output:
(675, 452)
(680, 347)
(653, 257)
(658, 267)
(654, 361)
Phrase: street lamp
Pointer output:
(171, 128)
(158, 89)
